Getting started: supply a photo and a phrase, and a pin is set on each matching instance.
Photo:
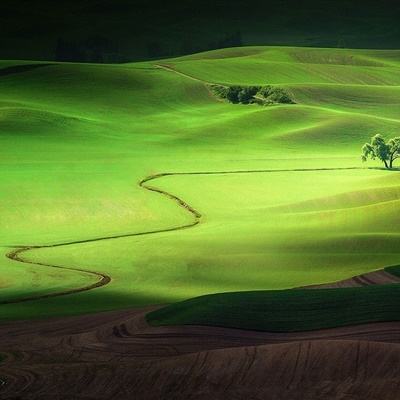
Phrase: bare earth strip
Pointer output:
(380, 277)
(116, 355)
(171, 69)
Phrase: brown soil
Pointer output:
(116, 355)
(380, 277)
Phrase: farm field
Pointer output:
(158, 241)
(282, 197)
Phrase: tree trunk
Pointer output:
(386, 164)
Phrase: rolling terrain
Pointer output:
(133, 186)
(78, 139)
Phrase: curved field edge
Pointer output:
(103, 279)
(286, 310)
(100, 279)
(275, 311)
(394, 270)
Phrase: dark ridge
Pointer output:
(18, 69)
(113, 31)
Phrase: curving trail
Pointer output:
(15, 255)
(103, 279)
(171, 69)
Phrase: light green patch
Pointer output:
(76, 140)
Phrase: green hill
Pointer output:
(76, 140)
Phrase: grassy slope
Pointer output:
(76, 139)
(285, 311)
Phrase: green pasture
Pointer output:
(76, 140)
(285, 310)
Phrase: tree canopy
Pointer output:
(379, 148)
(252, 94)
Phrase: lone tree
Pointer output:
(387, 152)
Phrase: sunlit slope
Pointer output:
(19, 281)
(77, 139)
(292, 65)
(259, 231)
(381, 102)
(59, 124)
(355, 91)
(75, 144)
(98, 89)
(304, 55)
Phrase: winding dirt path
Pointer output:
(103, 279)
(171, 69)
(15, 255)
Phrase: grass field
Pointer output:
(287, 310)
(76, 140)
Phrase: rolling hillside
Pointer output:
(77, 139)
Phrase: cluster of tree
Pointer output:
(97, 49)
(241, 94)
(385, 151)
(275, 94)
(252, 94)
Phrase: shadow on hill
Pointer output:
(17, 69)
(74, 305)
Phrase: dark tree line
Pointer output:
(95, 49)
(157, 49)
(99, 49)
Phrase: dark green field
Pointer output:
(286, 311)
